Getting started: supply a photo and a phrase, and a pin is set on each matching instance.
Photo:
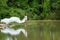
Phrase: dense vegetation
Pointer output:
(35, 9)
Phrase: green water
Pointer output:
(38, 30)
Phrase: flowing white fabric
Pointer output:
(14, 19)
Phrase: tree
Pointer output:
(46, 9)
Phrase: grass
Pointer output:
(38, 30)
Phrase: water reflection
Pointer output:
(40, 31)
(13, 32)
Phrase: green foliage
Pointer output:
(3, 3)
(36, 9)
(4, 13)
(16, 12)
(46, 9)
(56, 8)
